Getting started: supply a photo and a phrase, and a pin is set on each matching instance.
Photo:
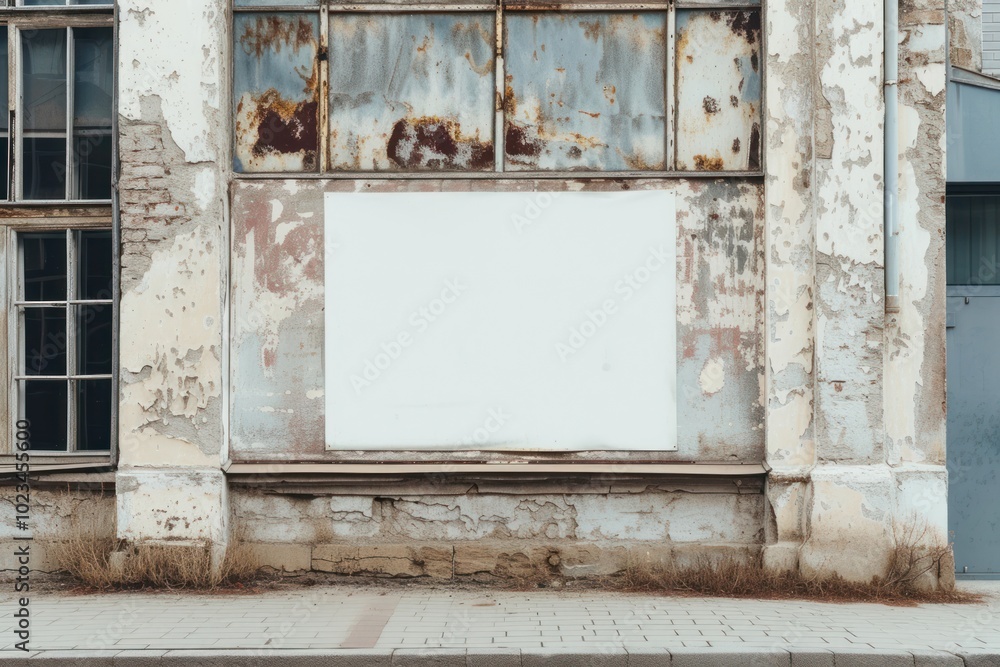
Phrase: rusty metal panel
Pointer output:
(585, 91)
(276, 3)
(411, 92)
(276, 92)
(718, 90)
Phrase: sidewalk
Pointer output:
(416, 625)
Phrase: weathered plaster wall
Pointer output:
(174, 151)
(444, 535)
(58, 513)
(277, 322)
(965, 33)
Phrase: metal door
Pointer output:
(974, 428)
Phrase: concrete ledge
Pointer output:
(501, 657)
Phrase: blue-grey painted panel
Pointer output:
(974, 430)
(973, 139)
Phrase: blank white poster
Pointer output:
(519, 321)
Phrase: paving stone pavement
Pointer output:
(415, 626)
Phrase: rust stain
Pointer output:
(609, 93)
(589, 113)
(735, 101)
(518, 145)
(736, 145)
(429, 142)
(270, 32)
(285, 127)
(754, 153)
(710, 104)
(745, 24)
(705, 163)
(591, 30)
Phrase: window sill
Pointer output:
(493, 175)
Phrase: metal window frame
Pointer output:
(16, 309)
(323, 8)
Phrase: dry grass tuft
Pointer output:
(104, 563)
(733, 577)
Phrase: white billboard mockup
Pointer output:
(500, 321)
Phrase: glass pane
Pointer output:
(93, 50)
(44, 168)
(93, 415)
(44, 72)
(412, 92)
(92, 155)
(4, 174)
(45, 403)
(95, 265)
(718, 90)
(45, 341)
(4, 93)
(90, 2)
(585, 91)
(44, 266)
(973, 240)
(276, 83)
(94, 328)
(38, 3)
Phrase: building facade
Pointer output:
(170, 308)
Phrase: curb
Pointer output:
(678, 657)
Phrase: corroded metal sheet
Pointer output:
(278, 263)
(585, 91)
(276, 82)
(718, 90)
(411, 92)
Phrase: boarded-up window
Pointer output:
(416, 89)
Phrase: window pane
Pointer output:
(95, 265)
(412, 92)
(94, 328)
(93, 415)
(718, 90)
(45, 341)
(4, 174)
(4, 93)
(34, 3)
(92, 107)
(585, 91)
(44, 168)
(45, 403)
(44, 54)
(92, 161)
(44, 267)
(276, 83)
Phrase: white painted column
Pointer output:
(789, 188)
(174, 148)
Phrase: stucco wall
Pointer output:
(785, 351)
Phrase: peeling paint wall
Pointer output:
(965, 33)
